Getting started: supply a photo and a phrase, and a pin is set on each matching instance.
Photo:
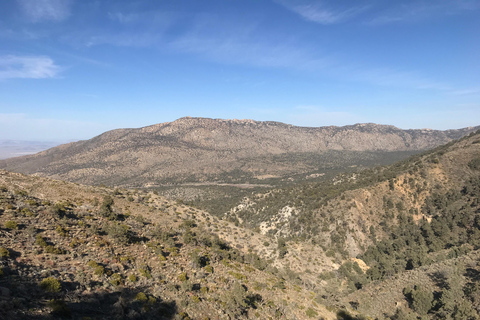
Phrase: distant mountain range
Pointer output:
(229, 151)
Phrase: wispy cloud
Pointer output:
(134, 29)
(398, 78)
(319, 12)
(247, 52)
(421, 10)
(27, 67)
(45, 10)
(237, 43)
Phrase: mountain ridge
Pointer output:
(204, 149)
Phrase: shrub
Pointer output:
(116, 279)
(145, 273)
(50, 284)
(62, 231)
(311, 313)
(40, 241)
(4, 253)
(99, 270)
(11, 225)
(132, 278)
(119, 232)
(59, 307)
(141, 297)
(182, 277)
(209, 269)
(92, 264)
(26, 212)
(53, 249)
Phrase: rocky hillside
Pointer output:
(395, 242)
(214, 151)
(69, 251)
(407, 228)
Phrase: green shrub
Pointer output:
(50, 284)
(141, 297)
(26, 212)
(4, 252)
(11, 225)
(182, 277)
(311, 313)
(62, 231)
(59, 307)
(209, 269)
(40, 241)
(145, 273)
(116, 279)
(99, 270)
(53, 249)
(132, 278)
(92, 264)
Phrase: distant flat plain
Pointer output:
(16, 148)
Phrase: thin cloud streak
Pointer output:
(423, 10)
(27, 67)
(45, 10)
(319, 12)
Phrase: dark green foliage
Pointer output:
(106, 209)
(119, 232)
(50, 284)
(11, 225)
(354, 275)
(420, 300)
(4, 253)
(282, 248)
(454, 223)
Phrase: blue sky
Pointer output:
(74, 69)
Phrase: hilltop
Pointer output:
(201, 150)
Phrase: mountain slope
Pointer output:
(71, 251)
(200, 149)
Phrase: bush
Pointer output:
(311, 313)
(4, 253)
(141, 297)
(40, 241)
(119, 232)
(116, 279)
(11, 225)
(145, 273)
(182, 277)
(59, 307)
(420, 300)
(99, 270)
(50, 284)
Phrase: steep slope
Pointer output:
(418, 212)
(70, 251)
(239, 151)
